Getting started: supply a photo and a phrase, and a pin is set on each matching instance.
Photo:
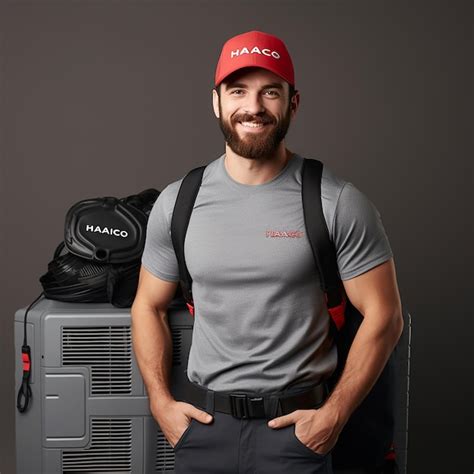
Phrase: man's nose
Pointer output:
(253, 104)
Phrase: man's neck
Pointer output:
(254, 172)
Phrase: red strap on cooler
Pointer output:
(24, 394)
(25, 356)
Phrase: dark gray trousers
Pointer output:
(229, 445)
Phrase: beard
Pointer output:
(255, 146)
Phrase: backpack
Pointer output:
(367, 438)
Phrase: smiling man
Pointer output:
(262, 329)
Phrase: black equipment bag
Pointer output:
(367, 439)
(100, 257)
(108, 229)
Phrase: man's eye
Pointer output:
(237, 92)
(273, 93)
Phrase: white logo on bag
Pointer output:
(255, 50)
(105, 230)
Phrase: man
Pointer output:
(261, 323)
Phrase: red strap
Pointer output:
(390, 456)
(191, 308)
(26, 362)
(337, 312)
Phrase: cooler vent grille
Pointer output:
(164, 461)
(107, 351)
(110, 449)
(177, 337)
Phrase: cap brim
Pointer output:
(267, 67)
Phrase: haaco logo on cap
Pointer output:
(255, 50)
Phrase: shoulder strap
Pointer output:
(323, 248)
(321, 245)
(182, 210)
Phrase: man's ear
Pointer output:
(215, 102)
(294, 103)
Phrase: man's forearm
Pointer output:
(367, 357)
(153, 347)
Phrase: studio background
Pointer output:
(109, 98)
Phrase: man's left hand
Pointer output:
(318, 429)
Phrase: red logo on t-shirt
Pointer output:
(292, 234)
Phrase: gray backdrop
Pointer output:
(109, 98)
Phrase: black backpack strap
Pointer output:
(182, 210)
(323, 248)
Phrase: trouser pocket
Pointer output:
(303, 446)
(185, 434)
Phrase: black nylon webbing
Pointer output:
(182, 210)
(318, 234)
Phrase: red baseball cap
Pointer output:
(256, 49)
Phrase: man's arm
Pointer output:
(151, 336)
(375, 294)
(153, 347)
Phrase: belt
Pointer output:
(247, 405)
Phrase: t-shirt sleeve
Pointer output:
(158, 256)
(358, 234)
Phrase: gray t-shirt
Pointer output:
(261, 323)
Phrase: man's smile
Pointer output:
(252, 126)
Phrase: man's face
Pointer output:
(254, 112)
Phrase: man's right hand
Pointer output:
(174, 417)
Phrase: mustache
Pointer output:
(264, 118)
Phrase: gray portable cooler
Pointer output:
(89, 408)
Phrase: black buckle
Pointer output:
(242, 406)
